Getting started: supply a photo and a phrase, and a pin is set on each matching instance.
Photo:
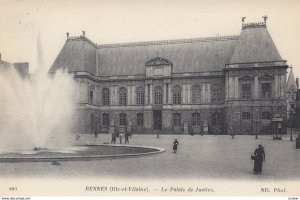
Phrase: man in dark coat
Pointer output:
(298, 142)
(175, 144)
(259, 158)
(126, 138)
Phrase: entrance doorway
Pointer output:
(157, 119)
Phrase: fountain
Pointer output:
(35, 112)
(37, 117)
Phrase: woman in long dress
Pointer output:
(259, 158)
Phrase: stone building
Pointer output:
(229, 83)
(22, 68)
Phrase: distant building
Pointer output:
(291, 91)
(297, 114)
(22, 68)
(230, 83)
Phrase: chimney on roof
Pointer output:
(83, 33)
(67, 35)
(297, 82)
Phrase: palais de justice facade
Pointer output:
(232, 84)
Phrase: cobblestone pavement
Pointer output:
(209, 156)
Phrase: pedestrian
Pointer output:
(127, 138)
(113, 138)
(121, 137)
(298, 142)
(175, 144)
(259, 157)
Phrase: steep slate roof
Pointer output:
(255, 45)
(291, 85)
(190, 55)
(78, 54)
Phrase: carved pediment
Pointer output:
(158, 61)
(246, 78)
(266, 77)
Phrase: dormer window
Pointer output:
(158, 67)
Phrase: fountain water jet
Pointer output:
(35, 112)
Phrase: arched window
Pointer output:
(122, 97)
(140, 96)
(105, 119)
(105, 97)
(196, 94)
(196, 119)
(140, 119)
(122, 118)
(246, 116)
(266, 115)
(216, 119)
(157, 95)
(177, 119)
(176, 95)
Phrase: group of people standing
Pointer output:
(120, 135)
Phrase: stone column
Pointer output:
(146, 94)
(236, 88)
(188, 94)
(226, 87)
(208, 93)
(170, 94)
(183, 93)
(133, 101)
(165, 94)
(151, 96)
(116, 96)
(256, 88)
(282, 86)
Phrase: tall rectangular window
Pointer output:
(196, 119)
(216, 119)
(157, 95)
(266, 90)
(105, 97)
(196, 94)
(140, 119)
(91, 97)
(167, 92)
(246, 90)
(176, 95)
(216, 96)
(122, 97)
(122, 119)
(177, 119)
(105, 119)
(140, 96)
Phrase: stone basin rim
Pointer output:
(85, 157)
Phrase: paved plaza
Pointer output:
(208, 156)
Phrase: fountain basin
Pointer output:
(80, 153)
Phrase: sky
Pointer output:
(23, 22)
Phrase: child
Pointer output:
(175, 144)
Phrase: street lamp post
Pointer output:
(291, 122)
(256, 121)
